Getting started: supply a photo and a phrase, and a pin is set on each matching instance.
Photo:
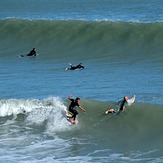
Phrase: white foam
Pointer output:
(52, 111)
(14, 107)
(49, 112)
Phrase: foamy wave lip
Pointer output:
(37, 18)
(52, 111)
(16, 106)
(49, 112)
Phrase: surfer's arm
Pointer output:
(123, 108)
(69, 96)
(82, 108)
(34, 53)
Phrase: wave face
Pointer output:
(137, 122)
(128, 132)
(113, 40)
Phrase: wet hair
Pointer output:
(77, 99)
(125, 98)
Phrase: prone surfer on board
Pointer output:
(122, 106)
(72, 106)
(79, 66)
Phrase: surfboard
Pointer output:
(69, 116)
(131, 100)
(22, 56)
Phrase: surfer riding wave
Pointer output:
(74, 103)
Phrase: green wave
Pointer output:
(87, 39)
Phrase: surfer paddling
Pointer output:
(31, 53)
(74, 103)
(79, 66)
(126, 102)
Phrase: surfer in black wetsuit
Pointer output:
(122, 106)
(32, 52)
(79, 66)
(72, 106)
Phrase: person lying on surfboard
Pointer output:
(72, 106)
(122, 106)
(79, 66)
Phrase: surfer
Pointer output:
(32, 52)
(72, 106)
(122, 106)
(79, 66)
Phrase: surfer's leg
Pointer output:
(74, 112)
(71, 67)
(110, 111)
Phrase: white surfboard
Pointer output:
(69, 117)
(69, 114)
(131, 100)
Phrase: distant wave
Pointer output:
(98, 39)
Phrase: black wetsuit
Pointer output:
(79, 66)
(71, 108)
(124, 103)
(32, 53)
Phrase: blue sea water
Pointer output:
(120, 44)
(115, 10)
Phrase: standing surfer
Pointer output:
(74, 102)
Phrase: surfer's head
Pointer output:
(77, 99)
(125, 98)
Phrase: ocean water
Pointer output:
(120, 45)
